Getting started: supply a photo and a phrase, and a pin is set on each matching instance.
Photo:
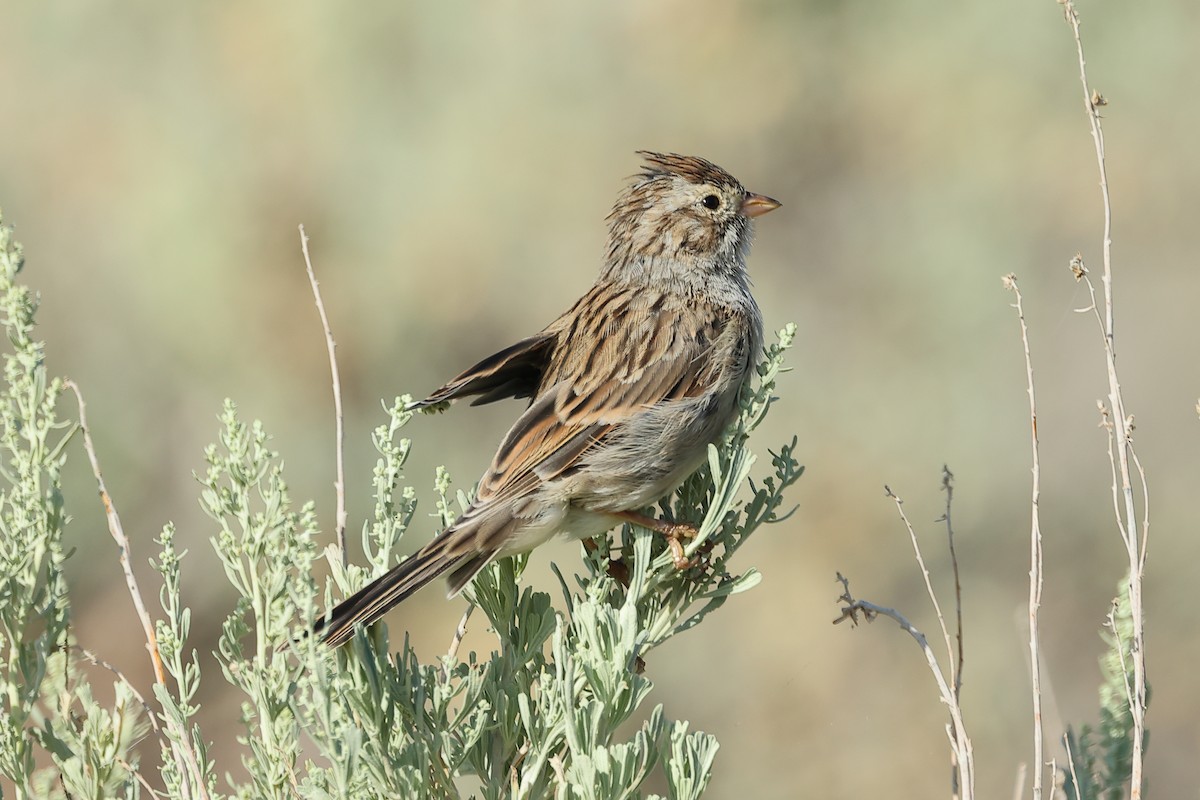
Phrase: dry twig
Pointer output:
(118, 534)
(339, 483)
(140, 779)
(912, 536)
(181, 748)
(1071, 765)
(1121, 432)
(456, 641)
(956, 731)
(94, 659)
(1035, 551)
(956, 667)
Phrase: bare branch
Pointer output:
(456, 641)
(1122, 428)
(185, 755)
(957, 666)
(1035, 551)
(118, 534)
(1071, 766)
(140, 779)
(91, 657)
(951, 653)
(339, 483)
(960, 742)
(912, 536)
(1110, 622)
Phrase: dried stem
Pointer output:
(1137, 463)
(118, 534)
(956, 731)
(339, 483)
(181, 748)
(1071, 766)
(140, 779)
(1111, 623)
(1122, 430)
(1035, 551)
(456, 641)
(951, 654)
(912, 536)
(957, 666)
(94, 659)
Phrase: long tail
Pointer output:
(376, 598)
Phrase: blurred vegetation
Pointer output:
(1100, 756)
(453, 165)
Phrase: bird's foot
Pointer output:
(680, 558)
(673, 531)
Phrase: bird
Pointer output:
(626, 389)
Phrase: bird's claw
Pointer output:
(678, 555)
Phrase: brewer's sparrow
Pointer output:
(628, 387)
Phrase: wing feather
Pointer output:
(587, 393)
(516, 371)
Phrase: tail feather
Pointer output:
(466, 570)
(462, 550)
(376, 598)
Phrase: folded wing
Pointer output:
(515, 371)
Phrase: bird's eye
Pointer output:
(711, 201)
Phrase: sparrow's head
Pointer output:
(684, 209)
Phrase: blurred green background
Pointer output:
(453, 164)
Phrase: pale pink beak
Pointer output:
(755, 205)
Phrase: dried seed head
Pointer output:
(1077, 267)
